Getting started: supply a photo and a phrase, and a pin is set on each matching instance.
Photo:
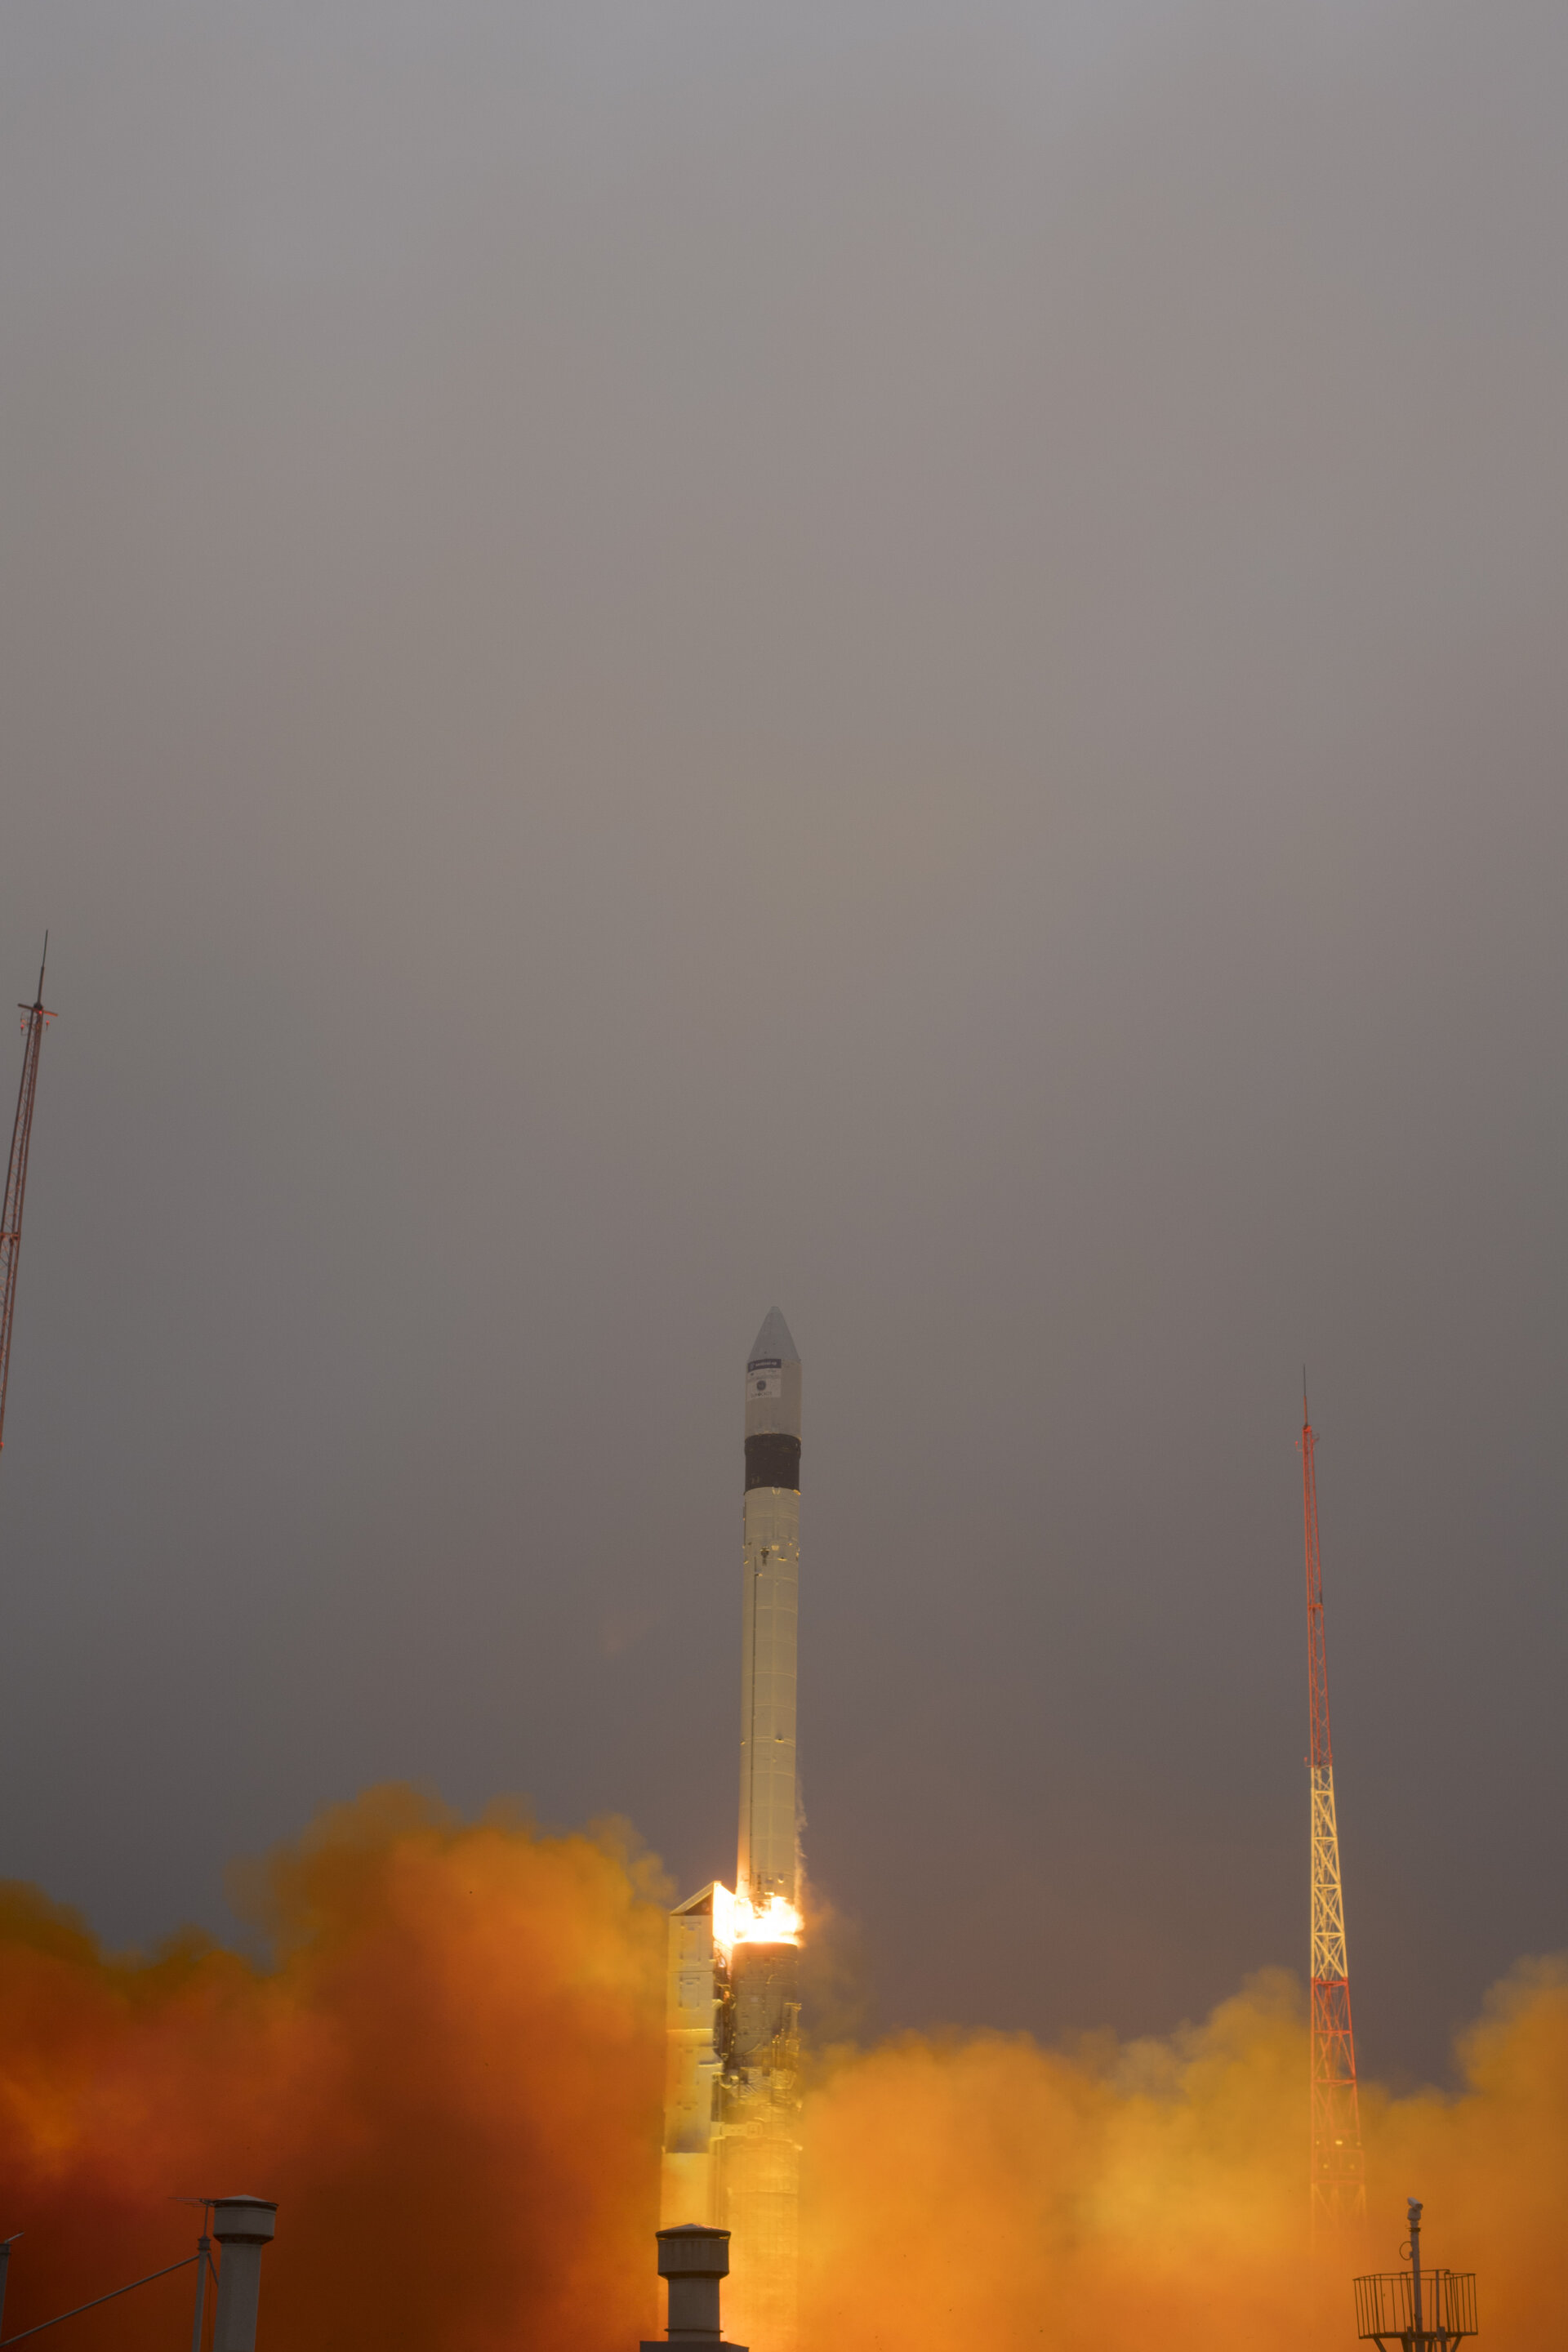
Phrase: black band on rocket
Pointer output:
(772, 1461)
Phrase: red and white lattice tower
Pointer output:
(1338, 2172)
(34, 1019)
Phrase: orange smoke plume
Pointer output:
(451, 2077)
(450, 2080)
(981, 2188)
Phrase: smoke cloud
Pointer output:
(449, 2075)
(1112, 2195)
(450, 2079)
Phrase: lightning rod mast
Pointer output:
(35, 1019)
(1339, 2171)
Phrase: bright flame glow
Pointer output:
(737, 1921)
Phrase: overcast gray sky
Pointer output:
(907, 658)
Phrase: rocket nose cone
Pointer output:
(773, 1340)
(773, 1383)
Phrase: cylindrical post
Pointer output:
(243, 2227)
(692, 2260)
(1415, 2210)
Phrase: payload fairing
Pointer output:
(731, 2158)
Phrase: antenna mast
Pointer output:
(35, 1019)
(1339, 2171)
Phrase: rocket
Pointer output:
(766, 1860)
(731, 2155)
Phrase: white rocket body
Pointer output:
(766, 1863)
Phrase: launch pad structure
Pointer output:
(732, 2151)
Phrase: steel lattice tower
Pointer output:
(34, 1019)
(1339, 2173)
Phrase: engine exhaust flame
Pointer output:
(736, 1921)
